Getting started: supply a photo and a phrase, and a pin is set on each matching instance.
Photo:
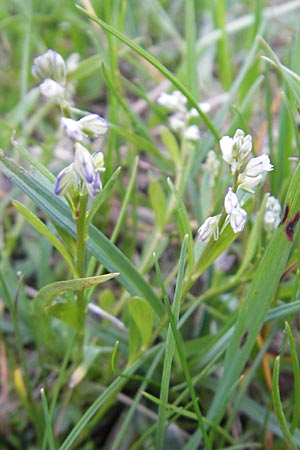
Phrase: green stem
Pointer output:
(80, 216)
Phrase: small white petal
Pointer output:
(204, 106)
(83, 163)
(51, 89)
(245, 149)
(72, 129)
(273, 204)
(93, 125)
(176, 123)
(49, 65)
(256, 166)
(226, 145)
(249, 183)
(231, 203)
(192, 133)
(98, 159)
(65, 180)
(238, 219)
(209, 228)
(175, 101)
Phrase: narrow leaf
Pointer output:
(158, 203)
(142, 315)
(78, 284)
(44, 230)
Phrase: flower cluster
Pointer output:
(179, 120)
(50, 68)
(83, 172)
(272, 214)
(248, 173)
(82, 175)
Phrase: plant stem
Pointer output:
(80, 216)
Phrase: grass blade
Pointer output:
(278, 407)
(155, 63)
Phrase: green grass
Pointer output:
(205, 349)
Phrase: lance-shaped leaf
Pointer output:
(78, 284)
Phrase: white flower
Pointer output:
(204, 106)
(49, 65)
(192, 133)
(236, 150)
(65, 180)
(51, 89)
(273, 204)
(231, 202)
(86, 167)
(177, 123)
(72, 129)
(237, 219)
(175, 101)
(226, 145)
(249, 183)
(209, 228)
(93, 125)
(256, 166)
(83, 163)
(272, 214)
(237, 215)
(90, 125)
(245, 148)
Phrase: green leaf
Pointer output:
(67, 312)
(170, 142)
(78, 284)
(142, 315)
(158, 203)
(135, 341)
(184, 224)
(90, 353)
(296, 374)
(278, 407)
(44, 230)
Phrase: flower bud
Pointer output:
(177, 123)
(272, 214)
(237, 219)
(49, 65)
(65, 180)
(175, 101)
(231, 203)
(72, 129)
(93, 125)
(83, 163)
(208, 228)
(51, 89)
(249, 183)
(98, 160)
(192, 133)
(256, 166)
(226, 145)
